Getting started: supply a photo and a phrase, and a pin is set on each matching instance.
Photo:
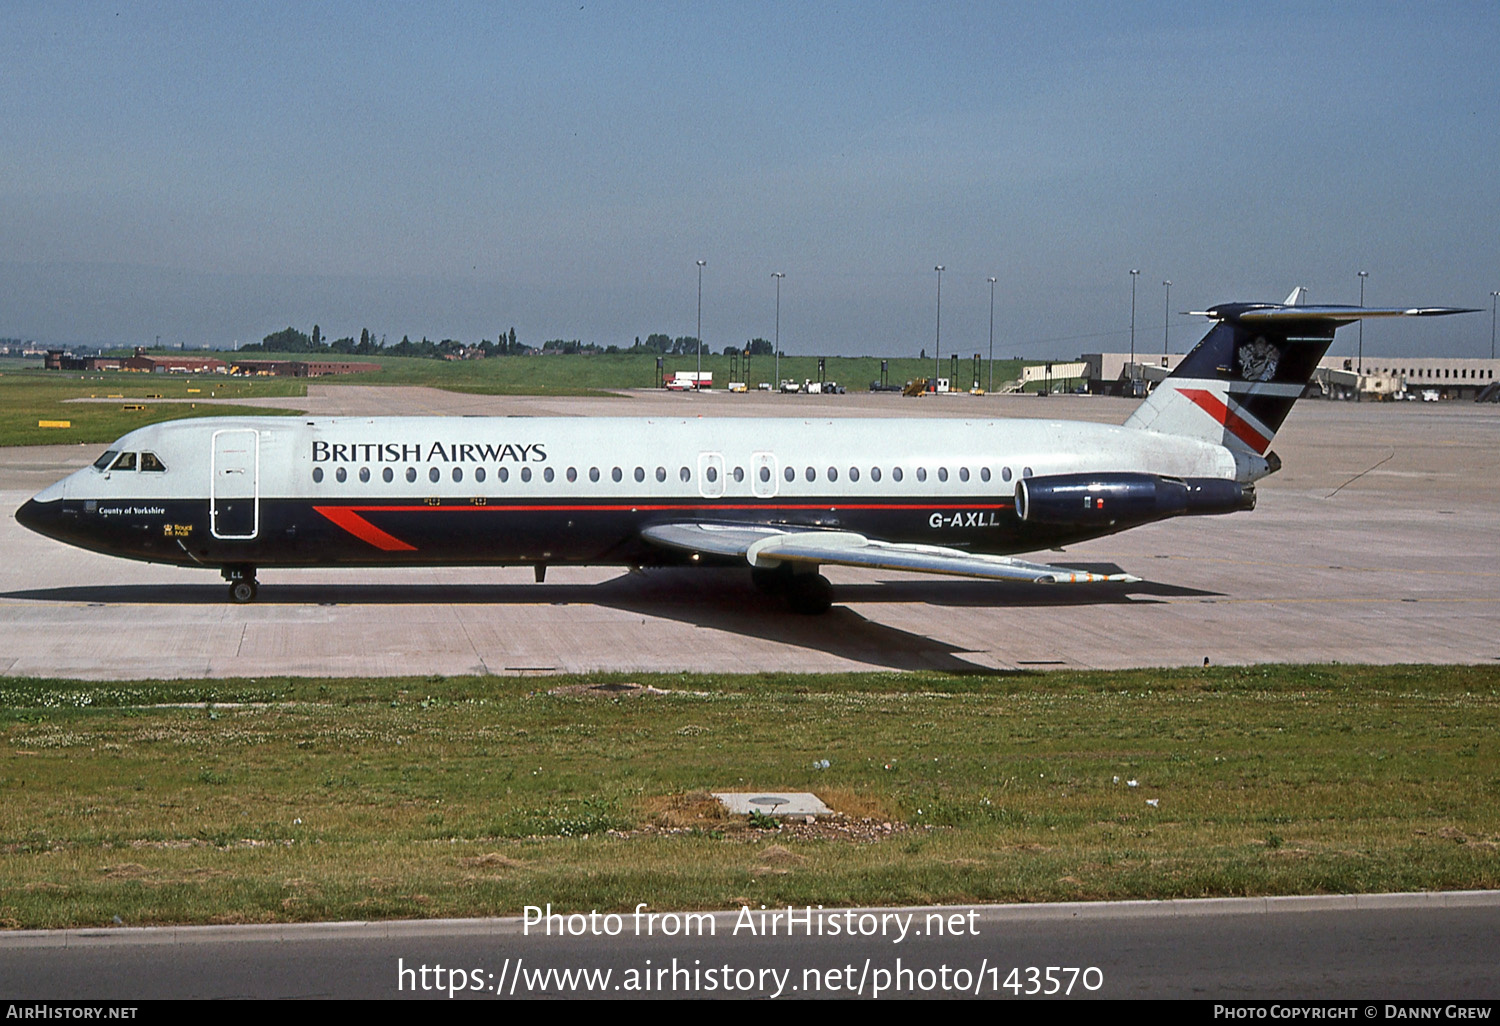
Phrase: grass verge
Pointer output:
(297, 799)
(33, 395)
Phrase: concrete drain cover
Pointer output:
(773, 803)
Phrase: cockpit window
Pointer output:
(103, 462)
(125, 462)
(150, 462)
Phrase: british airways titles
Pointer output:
(437, 452)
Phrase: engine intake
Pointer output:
(1080, 500)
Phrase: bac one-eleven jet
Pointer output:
(778, 496)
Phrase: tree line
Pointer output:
(291, 340)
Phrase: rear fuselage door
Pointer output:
(763, 475)
(710, 475)
(234, 484)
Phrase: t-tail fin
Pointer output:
(1238, 384)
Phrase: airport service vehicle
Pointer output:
(689, 381)
(780, 496)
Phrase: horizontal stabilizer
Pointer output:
(1345, 314)
(765, 546)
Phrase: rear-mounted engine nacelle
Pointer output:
(1077, 500)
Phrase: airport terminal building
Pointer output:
(1337, 377)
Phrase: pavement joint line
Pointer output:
(1172, 908)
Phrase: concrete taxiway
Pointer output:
(1376, 543)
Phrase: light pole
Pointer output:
(1166, 319)
(1359, 363)
(699, 381)
(1492, 323)
(1134, 274)
(991, 387)
(778, 276)
(938, 343)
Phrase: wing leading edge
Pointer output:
(770, 546)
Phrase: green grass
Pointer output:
(595, 373)
(296, 799)
(31, 394)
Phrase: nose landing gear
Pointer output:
(242, 584)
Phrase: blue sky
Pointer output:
(213, 172)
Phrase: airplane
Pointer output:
(780, 496)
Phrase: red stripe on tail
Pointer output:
(1237, 425)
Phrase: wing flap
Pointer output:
(765, 546)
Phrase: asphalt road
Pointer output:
(1437, 947)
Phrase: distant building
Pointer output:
(1337, 377)
(173, 364)
(300, 368)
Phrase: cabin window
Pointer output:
(984, 473)
(386, 475)
(317, 475)
(765, 473)
(1025, 471)
(458, 474)
(504, 474)
(921, 473)
(341, 474)
(594, 473)
(411, 474)
(789, 474)
(433, 475)
(573, 475)
(811, 474)
(712, 473)
(942, 473)
(963, 473)
(854, 473)
(640, 473)
(125, 462)
(685, 474)
(103, 462)
(739, 474)
(833, 473)
(1005, 473)
(364, 475)
(616, 475)
(525, 474)
(548, 475)
(661, 473)
(874, 473)
(150, 463)
(479, 473)
(896, 474)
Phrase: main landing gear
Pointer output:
(807, 592)
(242, 583)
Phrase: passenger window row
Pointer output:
(685, 474)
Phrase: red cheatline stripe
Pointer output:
(350, 520)
(348, 517)
(1241, 428)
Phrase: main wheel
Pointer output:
(770, 581)
(242, 591)
(809, 594)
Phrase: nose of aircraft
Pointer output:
(33, 515)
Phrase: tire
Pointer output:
(242, 591)
(770, 582)
(809, 595)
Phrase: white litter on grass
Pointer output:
(1152, 802)
(1132, 783)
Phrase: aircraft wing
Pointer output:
(766, 546)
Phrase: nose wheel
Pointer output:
(242, 584)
